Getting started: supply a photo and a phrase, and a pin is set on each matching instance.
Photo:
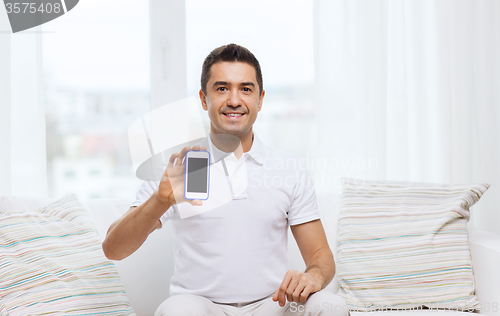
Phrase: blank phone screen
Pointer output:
(197, 175)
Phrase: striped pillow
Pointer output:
(3, 310)
(52, 263)
(404, 245)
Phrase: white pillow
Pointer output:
(52, 263)
(404, 245)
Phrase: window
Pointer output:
(281, 37)
(96, 77)
(97, 70)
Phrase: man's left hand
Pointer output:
(296, 287)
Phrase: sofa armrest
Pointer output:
(485, 253)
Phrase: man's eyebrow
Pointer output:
(225, 83)
(220, 83)
(248, 84)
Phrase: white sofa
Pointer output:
(147, 272)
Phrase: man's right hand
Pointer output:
(171, 189)
(130, 231)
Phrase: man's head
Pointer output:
(232, 91)
(230, 53)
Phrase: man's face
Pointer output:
(232, 98)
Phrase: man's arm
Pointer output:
(320, 266)
(130, 231)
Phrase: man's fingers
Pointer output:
(305, 293)
(282, 297)
(298, 292)
(177, 159)
(195, 202)
(172, 160)
(282, 289)
(295, 287)
(275, 296)
(182, 154)
(291, 289)
(197, 147)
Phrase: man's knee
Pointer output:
(325, 303)
(186, 305)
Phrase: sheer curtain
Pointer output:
(23, 170)
(409, 90)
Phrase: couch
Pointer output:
(146, 273)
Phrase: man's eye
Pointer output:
(221, 88)
(247, 89)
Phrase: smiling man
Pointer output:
(232, 260)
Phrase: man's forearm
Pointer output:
(322, 267)
(130, 231)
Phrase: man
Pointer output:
(232, 260)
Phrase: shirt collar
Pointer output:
(257, 151)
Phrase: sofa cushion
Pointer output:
(52, 262)
(403, 244)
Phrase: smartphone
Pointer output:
(197, 175)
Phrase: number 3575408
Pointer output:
(26, 7)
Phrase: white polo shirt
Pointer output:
(237, 252)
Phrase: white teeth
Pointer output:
(234, 114)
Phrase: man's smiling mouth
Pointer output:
(234, 114)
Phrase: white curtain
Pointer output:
(23, 170)
(409, 90)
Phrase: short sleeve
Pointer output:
(304, 206)
(144, 193)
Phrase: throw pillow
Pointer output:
(3, 310)
(52, 263)
(404, 245)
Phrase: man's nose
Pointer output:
(234, 99)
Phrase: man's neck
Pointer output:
(233, 143)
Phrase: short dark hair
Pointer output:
(230, 53)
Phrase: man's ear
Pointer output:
(261, 99)
(203, 100)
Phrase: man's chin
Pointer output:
(229, 141)
(238, 132)
(232, 129)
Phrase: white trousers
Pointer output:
(320, 303)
